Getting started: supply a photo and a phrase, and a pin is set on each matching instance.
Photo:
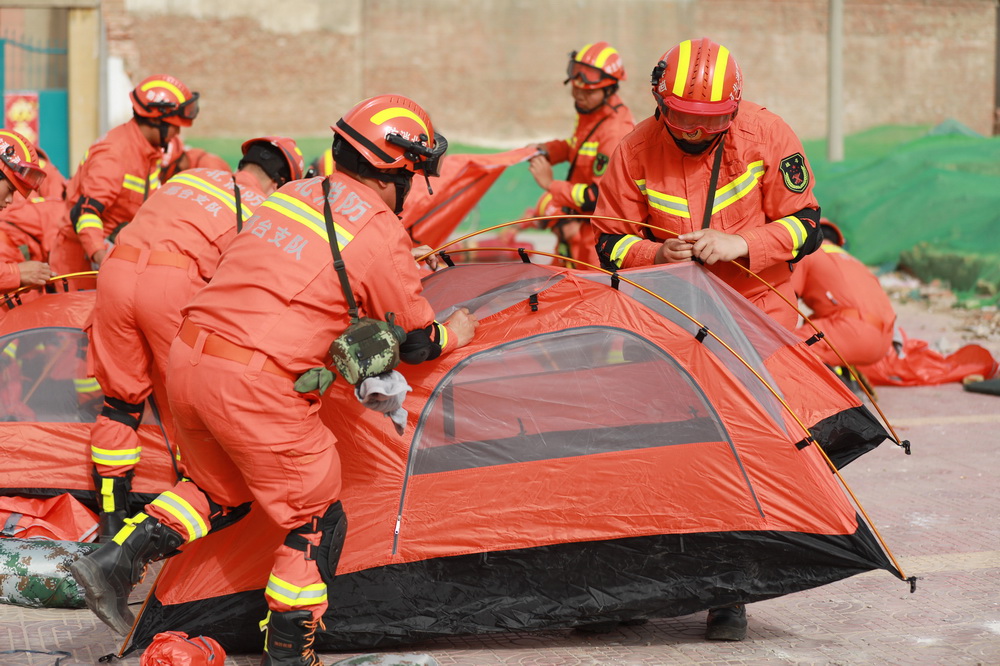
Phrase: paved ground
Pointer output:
(937, 509)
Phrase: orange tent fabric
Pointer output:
(430, 218)
(592, 455)
(919, 365)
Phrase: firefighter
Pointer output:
(847, 301)
(120, 171)
(602, 120)
(20, 173)
(245, 370)
(703, 144)
(728, 176)
(160, 260)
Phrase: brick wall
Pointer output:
(490, 71)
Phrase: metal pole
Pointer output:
(835, 83)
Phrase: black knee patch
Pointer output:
(332, 527)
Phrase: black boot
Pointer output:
(728, 623)
(289, 639)
(110, 523)
(110, 573)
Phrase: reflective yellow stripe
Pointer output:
(210, 189)
(178, 507)
(134, 183)
(832, 248)
(305, 215)
(621, 248)
(115, 457)
(583, 51)
(130, 525)
(739, 188)
(577, 194)
(589, 149)
(665, 202)
(442, 335)
(293, 595)
(88, 221)
(88, 385)
(543, 203)
(398, 112)
(603, 57)
(683, 62)
(796, 230)
(11, 349)
(721, 64)
(107, 495)
(160, 83)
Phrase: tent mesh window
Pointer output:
(571, 393)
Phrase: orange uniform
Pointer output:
(118, 174)
(34, 224)
(10, 257)
(269, 314)
(588, 151)
(848, 304)
(169, 251)
(763, 194)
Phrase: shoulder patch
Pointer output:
(795, 173)
(601, 164)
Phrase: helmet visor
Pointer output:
(582, 74)
(688, 123)
(30, 175)
(188, 110)
(424, 159)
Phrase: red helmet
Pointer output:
(391, 131)
(19, 162)
(697, 85)
(162, 97)
(288, 155)
(831, 232)
(596, 65)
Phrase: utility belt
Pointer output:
(221, 348)
(152, 257)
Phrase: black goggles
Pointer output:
(187, 109)
(427, 160)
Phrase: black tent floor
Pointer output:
(936, 509)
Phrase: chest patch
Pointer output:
(601, 164)
(794, 172)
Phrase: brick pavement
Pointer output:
(937, 510)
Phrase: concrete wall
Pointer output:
(490, 71)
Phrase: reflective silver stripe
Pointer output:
(796, 230)
(737, 189)
(293, 595)
(184, 512)
(304, 214)
(621, 248)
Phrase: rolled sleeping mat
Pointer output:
(35, 572)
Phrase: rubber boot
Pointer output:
(728, 623)
(110, 523)
(289, 638)
(109, 574)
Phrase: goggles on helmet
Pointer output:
(424, 159)
(689, 123)
(586, 74)
(187, 109)
(29, 174)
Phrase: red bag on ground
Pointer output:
(919, 365)
(61, 518)
(174, 648)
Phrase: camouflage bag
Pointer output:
(367, 348)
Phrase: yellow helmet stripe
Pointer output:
(683, 63)
(719, 78)
(24, 149)
(398, 112)
(603, 56)
(581, 52)
(159, 83)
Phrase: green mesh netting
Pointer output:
(926, 199)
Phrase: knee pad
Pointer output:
(332, 527)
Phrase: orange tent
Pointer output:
(48, 405)
(592, 455)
